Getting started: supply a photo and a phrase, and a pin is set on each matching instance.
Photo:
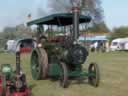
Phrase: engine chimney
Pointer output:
(75, 11)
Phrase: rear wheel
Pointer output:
(35, 66)
(94, 74)
(39, 64)
(64, 75)
(43, 61)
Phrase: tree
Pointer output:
(59, 6)
(12, 33)
(120, 32)
(23, 32)
(93, 7)
(88, 7)
(100, 28)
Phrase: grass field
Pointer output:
(114, 77)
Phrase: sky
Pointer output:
(115, 12)
(14, 12)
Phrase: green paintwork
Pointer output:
(34, 70)
(7, 68)
(60, 19)
(49, 45)
(54, 70)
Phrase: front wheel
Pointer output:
(94, 74)
(64, 75)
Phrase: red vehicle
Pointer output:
(13, 83)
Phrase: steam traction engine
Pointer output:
(13, 82)
(61, 57)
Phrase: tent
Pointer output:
(93, 39)
(24, 45)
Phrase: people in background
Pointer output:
(98, 46)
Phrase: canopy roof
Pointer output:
(60, 19)
(93, 39)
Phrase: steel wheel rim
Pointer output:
(94, 76)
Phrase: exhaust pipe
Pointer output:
(18, 63)
(76, 11)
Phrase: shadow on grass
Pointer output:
(73, 81)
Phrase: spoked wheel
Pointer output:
(64, 75)
(94, 74)
(39, 64)
(35, 66)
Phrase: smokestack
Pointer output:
(76, 11)
(18, 63)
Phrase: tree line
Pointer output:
(21, 31)
(13, 33)
(119, 32)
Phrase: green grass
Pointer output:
(114, 77)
